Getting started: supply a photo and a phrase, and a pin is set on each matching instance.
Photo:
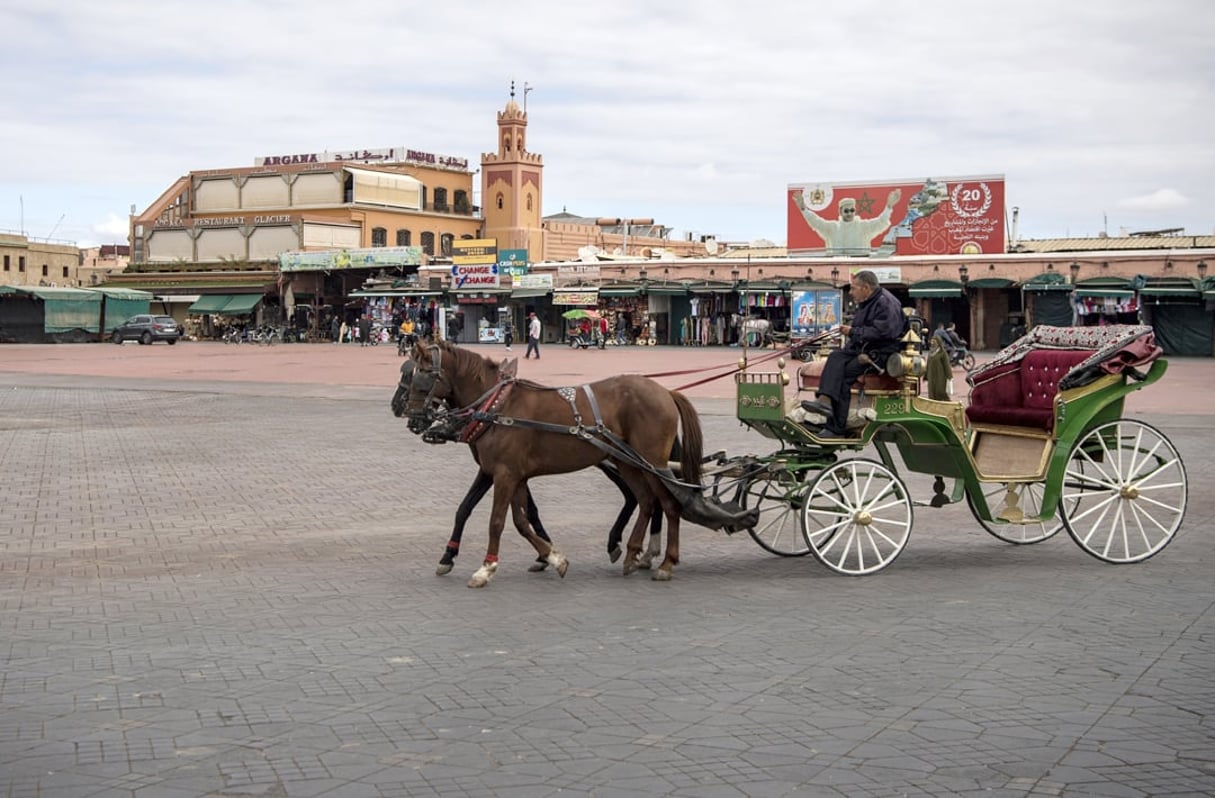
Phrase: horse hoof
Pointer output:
(444, 568)
(483, 574)
(629, 567)
(537, 567)
(645, 562)
(614, 553)
(661, 576)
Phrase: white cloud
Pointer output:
(697, 115)
(1165, 199)
(114, 228)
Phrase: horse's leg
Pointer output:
(622, 518)
(670, 507)
(476, 491)
(645, 504)
(533, 518)
(544, 547)
(646, 558)
(503, 495)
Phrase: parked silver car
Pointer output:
(146, 329)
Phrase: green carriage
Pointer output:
(1041, 446)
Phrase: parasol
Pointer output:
(580, 313)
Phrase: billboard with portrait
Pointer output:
(929, 216)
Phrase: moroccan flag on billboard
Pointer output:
(933, 216)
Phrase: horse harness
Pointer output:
(469, 423)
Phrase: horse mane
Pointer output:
(470, 364)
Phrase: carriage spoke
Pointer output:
(778, 496)
(857, 517)
(1132, 503)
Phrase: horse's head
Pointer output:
(424, 386)
(402, 392)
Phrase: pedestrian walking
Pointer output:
(533, 336)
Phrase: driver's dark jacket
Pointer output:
(878, 325)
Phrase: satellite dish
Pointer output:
(711, 246)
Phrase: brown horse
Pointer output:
(520, 429)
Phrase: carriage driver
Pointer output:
(873, 335)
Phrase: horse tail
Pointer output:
(692, 449)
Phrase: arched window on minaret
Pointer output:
(519, 143)
(506, 143)
(501, 201)
(529, 202)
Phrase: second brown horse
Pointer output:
(521, 429)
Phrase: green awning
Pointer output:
(991, 282)
(385, 292)
(1170, 290)
(241, 304)
(667, 290)
(1120, 293)
(211, 303)
(936, 289)
(529, 293)
(618, 291)
(1047, 281)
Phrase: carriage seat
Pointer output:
(809, 374)
(1022, 393)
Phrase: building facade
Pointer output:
(26, 261)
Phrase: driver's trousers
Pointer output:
(843, 367)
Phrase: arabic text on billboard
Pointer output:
(932, 216)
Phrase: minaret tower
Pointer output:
(512, 185)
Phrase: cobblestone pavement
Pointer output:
(218, 589)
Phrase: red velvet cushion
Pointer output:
(1022, 393)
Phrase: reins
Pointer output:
(732, 370)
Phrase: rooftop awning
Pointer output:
(528, 293)
(937, 289)
(622, 291)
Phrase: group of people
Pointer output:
(363, 332)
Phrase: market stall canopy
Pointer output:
(940, 289)
(225, 304)
(580, 313)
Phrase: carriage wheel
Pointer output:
(1029, 500)
(857, 517)
(1124, 493)
(778, 495)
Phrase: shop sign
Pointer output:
(474, 275)
(576, 297)
(534, 281)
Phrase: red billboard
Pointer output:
(933, 216)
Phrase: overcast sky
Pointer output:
(698, 114)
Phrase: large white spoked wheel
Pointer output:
(778, 495)
(1124, 492)
(857, 517)
(1028, 499)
